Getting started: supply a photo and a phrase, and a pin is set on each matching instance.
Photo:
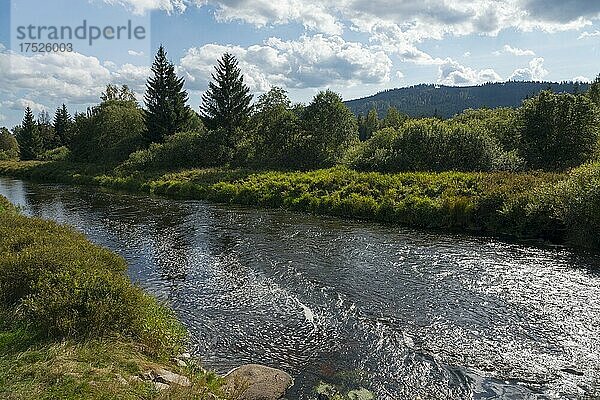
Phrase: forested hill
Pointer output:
(445, 101)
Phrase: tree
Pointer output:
(393, 118)
(275, 131)
(46, 132)
(558, 131)
(109, 132)
(369, 125)
(62, 125)
(226, 103)
(593, 92)
(165, 99)
(9, 148)
(331, 128)
(28, 136)
(115, 93)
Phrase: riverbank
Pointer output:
(72, 325)
(561, 208)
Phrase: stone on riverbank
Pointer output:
(257, 382)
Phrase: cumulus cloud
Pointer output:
(310, 62)
(534, 72)
(71, 76)
(453, 73)
(582, 79)
(515, 51)
(313, 15)
(143, 6)
(135, 53)
(562, 11)
(43, 81)
(586, 35)
(420, 19)
(20, 104)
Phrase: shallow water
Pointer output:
(401, 312)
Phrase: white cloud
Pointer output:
(534, 72)
(399, 75)
(585, 35)
(143, 6)
(453, 73)
(312, 15)
(135, 53)
(21, 104)
(310, 62)
(582, 79)
(562, 11)
(60, 76)
(43, 81)
(515, 51)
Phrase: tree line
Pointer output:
(549, 131)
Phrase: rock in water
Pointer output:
(257, 382)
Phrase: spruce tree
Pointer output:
(62, 125)
(166, 110)
(28, 136)
(226, 103)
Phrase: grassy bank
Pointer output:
(73, 326)
(557, 207)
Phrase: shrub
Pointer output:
(330, 127)
(558, 131)
(428, 145)
(53, 279)
(9, 148)
(186, 149)
(108, 133)
(576, 202)
(58, 154)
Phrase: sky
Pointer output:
(354, 47)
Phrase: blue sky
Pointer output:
(355, 47)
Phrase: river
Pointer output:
(403, 313)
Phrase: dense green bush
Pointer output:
(56, 281)
(499, 123)
(575, 202)
(58, 154)
(558, 131)
(429, 145)
(108, 133)
(275, 138)
(331, 129)
(182, 150)
(9, 148)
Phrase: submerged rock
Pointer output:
(257, 382)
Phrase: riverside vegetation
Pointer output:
(73, 326)
(529, 172)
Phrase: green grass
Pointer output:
(521, 205)
(73, 326)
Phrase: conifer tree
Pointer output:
(166, 110)
(226, 103)
(28, 136)
(62, 124)
(371, 124)
(594, 91)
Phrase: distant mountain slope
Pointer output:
(446, 101)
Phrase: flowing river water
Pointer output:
(403, 313)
